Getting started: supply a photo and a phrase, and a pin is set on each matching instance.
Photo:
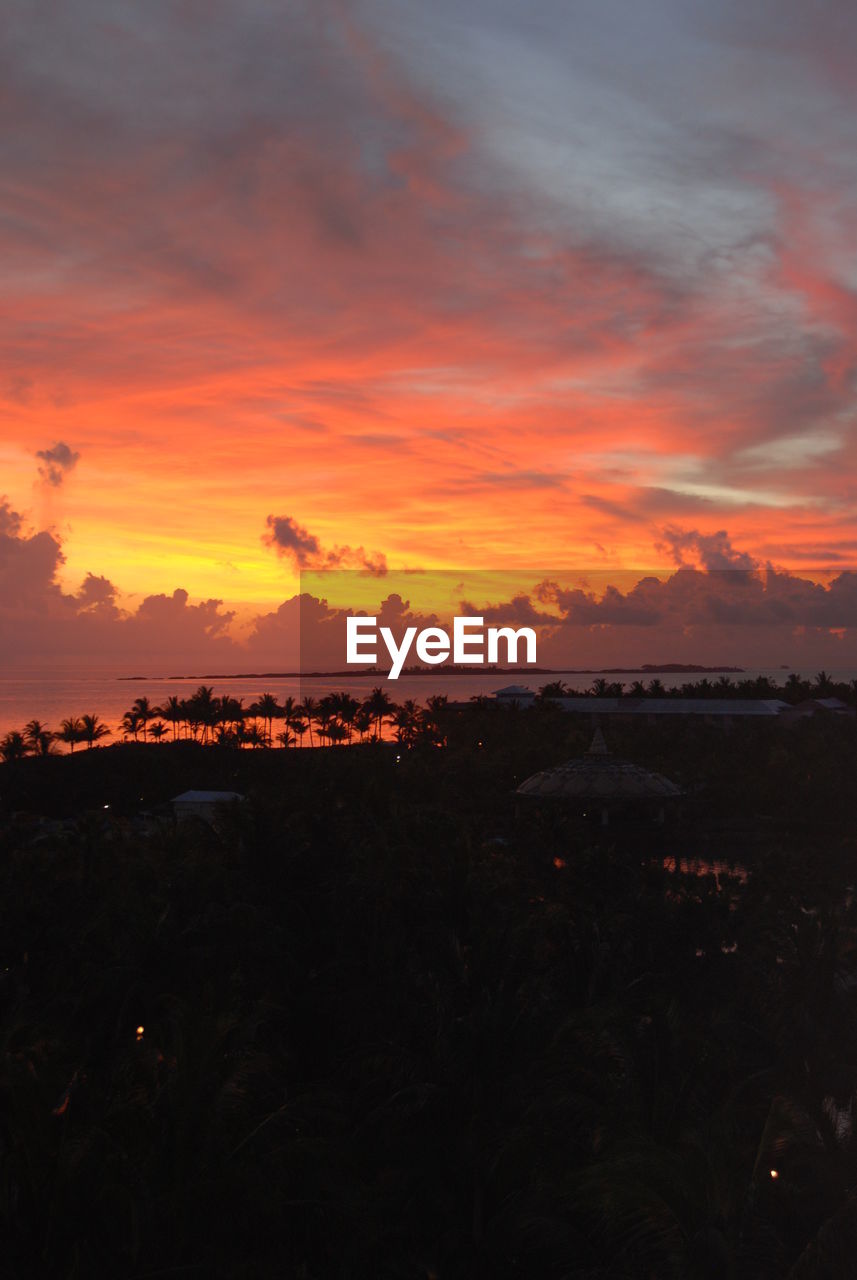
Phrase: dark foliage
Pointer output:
(395, 1026)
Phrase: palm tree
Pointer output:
(363, 721)
(309, 710)
(145, 712)
(346, 709)
(202, 709)
(93, 730)
(71, 732)
(293, 718)
(38, 738)
(823, 685)
(229, 716)
(255, 736)
(380, 705)
(130, 723)
(435, 719)
(269, 709)
(298, 727)
(796, 686)
(158, 730)
(407, 721)
(173, 712)
(13, 746)
(325, 716)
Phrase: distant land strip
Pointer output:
(648, 668)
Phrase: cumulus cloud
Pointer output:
(709, 550)
(291, 540)
(744, 616)
(57, 463)
(40, 621)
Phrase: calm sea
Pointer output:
(51, 699)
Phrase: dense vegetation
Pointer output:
(384, 1022)
(340, 718)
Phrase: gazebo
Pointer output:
(601, 781)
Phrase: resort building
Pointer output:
(721, 711)
(599, 782)
(203, 804)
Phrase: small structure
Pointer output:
(601, 781)
(819, 706)
(515, 693)
(203, 804)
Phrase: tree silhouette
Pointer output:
(131, 723)
(93, 730)
(38, 738)
(380, 706)
(13, 746)
(71, 732)
(407, 720)
(173, 712)
(269, 709)
(309, 710)
(144, 712)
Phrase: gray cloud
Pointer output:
(57, 461)
(712, 551)
(304, 549)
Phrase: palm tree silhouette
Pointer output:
(201, 710)
(93, 730)
(145, 712)
(346, 709)
(13, 746)
(130, 723)
(71, 732)
(309, 710)
(173, 712)
(363, 721)
(38, 738)
(381, 706)
(298, 727)
(269, 709)
(823, 685)
(407, 721)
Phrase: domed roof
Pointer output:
(598, 776)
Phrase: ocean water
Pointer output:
(53, 698)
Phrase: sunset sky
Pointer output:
(388, 282)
